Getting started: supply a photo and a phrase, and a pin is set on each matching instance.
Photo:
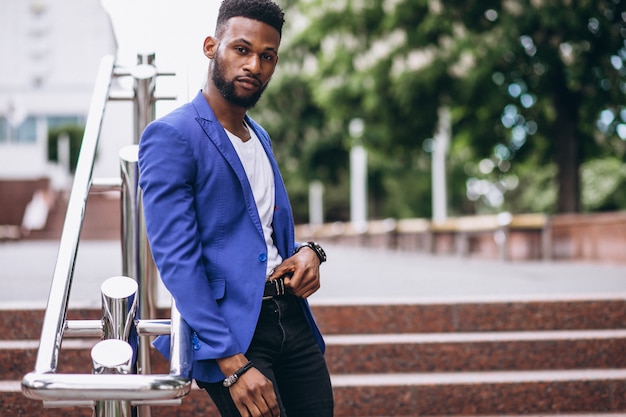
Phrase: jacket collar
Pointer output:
(217, 133)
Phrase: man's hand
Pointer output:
(253, 394)
(301, 272)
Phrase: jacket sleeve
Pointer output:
(167, 168)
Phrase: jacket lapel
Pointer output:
(283, 230)
(216, 134)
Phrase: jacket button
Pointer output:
(263, 257)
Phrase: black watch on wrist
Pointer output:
(321, 255)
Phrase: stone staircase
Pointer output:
(509, 357)
(102, 219)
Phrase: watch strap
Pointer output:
(321, 254)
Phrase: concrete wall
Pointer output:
(595, 237)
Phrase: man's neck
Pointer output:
(230, 116)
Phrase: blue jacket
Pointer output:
(205, 233)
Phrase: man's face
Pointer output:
(228, 87)
(245, 59)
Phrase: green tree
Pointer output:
(558, 65)
(535, 88)
(75, 135)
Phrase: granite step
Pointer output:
(14, 404)
(516, 357)
(481, 393)
(24, 323)
(524, 314)
(592, 392)
(409, 317)
(400, 353)
(462, 352)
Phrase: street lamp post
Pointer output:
(358, 177)
(440, 151)
(316, 203)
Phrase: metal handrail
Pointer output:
(75, 389)
(54, 319)
(144, 389)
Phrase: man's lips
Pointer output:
(249, 82)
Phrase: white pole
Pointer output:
(358, 177)
(440, 151)
(358, 187)
(63, 152)
(316, 203)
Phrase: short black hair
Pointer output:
(265, 11)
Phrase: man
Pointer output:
(221, 231)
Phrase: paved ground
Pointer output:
(351, 275)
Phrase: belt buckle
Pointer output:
(279, 286)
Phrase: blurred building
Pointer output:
(52, 50)
(51, 53)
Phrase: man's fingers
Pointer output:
(272, 407)
(243, 409)
(264, 408)
(250, 408)
(301, 287)
(254, 395)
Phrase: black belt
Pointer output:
(274, 288)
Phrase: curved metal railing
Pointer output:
(113, 379)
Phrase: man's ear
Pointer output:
(210, 47)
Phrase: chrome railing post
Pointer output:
(130, 233)
(144, 74)
(137, 257)
(112, 356)
(180, 345)
(136, 254)
(119, 305)
(115, 354)
(149, 272)
(136, 251)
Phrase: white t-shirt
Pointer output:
(261, 178)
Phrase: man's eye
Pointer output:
(241, 49)
(268, 57)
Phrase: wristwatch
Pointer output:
(321, 254)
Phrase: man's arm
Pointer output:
(301, 272)
(167, 176)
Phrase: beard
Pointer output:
(227, 88)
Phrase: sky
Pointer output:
(173, 29)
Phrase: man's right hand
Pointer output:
(253, 394)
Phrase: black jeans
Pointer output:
(284, 350)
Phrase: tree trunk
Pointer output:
(568, 164)
(567, 149)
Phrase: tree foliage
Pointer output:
(535, 87)
(75, 138)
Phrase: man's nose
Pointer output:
(253, 64)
